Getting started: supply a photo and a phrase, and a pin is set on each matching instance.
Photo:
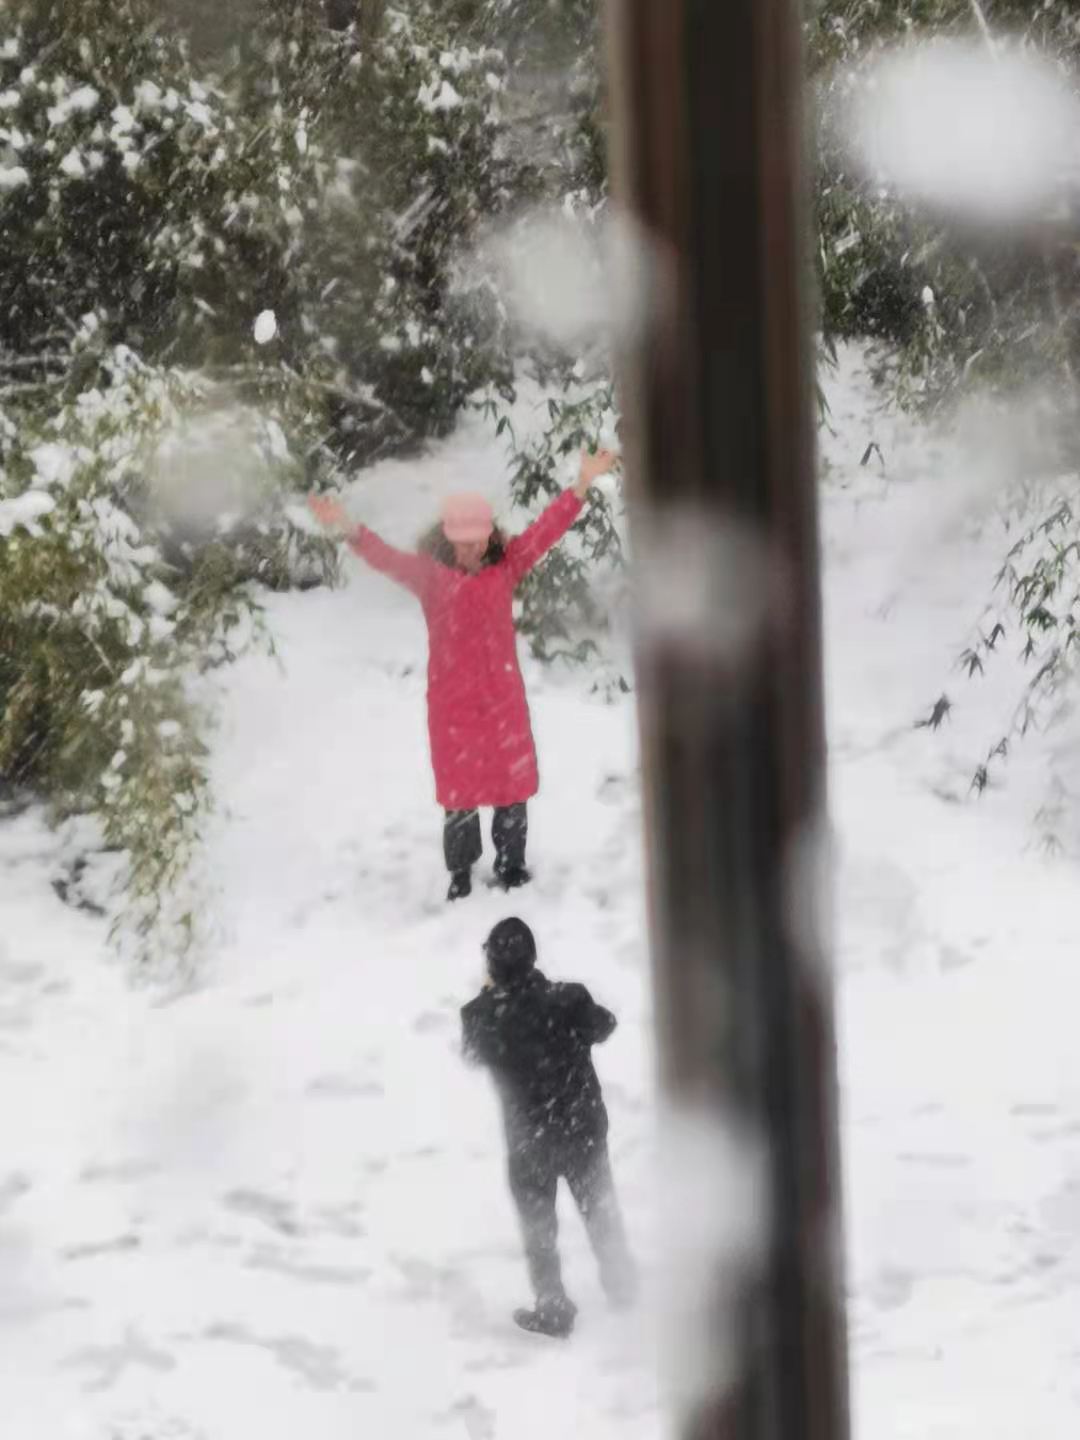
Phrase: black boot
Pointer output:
(460, 885)
(512, 877)
(509, 830)
(550, 1317)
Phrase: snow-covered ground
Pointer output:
(275, 1206)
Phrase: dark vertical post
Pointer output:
(708, 112)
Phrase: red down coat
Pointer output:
(482, 748)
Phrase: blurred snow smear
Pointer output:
(714, 1227)
(988, 133)
(705, 589)
(215, 468)
(573, 278)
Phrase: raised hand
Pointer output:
(330, 513)
(592, 467)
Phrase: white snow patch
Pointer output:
(265, 327)
(24, 511)
(12, 176)
(54, 464)
(148, 94)
(73, 165)
(439, 95)
(159, 597)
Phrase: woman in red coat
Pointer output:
(482, 748)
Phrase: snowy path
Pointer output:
(277, 1206)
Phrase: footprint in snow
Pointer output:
(12, 1188)
(110, 1361)
(280, 1215)
(318, 1366)
(478, 1420)
(890, 1289)
(17, 972)
(94, 1249)
(277, 1260)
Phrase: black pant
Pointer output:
(534, 1180)
(463, 846)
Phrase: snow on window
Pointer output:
(964, 127)
(12, 176)
(9, 99)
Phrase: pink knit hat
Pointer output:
(467, 518)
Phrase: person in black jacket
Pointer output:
(535, 1037)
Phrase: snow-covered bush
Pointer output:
(407, 131)
(111, 599)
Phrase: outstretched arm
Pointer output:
(530, 547)
(412, 571)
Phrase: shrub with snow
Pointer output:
(110, 603)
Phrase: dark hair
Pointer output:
(510, 950)
(435, 544)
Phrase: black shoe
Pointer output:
(460, 885)
(551, 1317)
(512, 877)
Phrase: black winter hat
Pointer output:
(510, 951)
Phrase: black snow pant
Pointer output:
(534, 1179)
(463, 846)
